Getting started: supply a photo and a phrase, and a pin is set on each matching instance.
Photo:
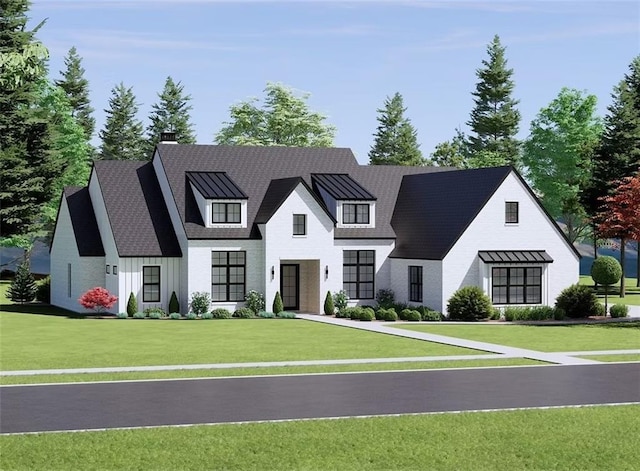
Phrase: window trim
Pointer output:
(144, 284)
(511, 209)
(296, 225)
(415, 285)
(226, 205)
(356, 214)
(228, 284)
(510, 285)
(358, 282)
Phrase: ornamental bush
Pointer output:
(23, 286)
(207, 315)
(469, 304)
(606, 271)
(413, 315)
(175, 316)
(340, 300)
(353, 313)
(429, 314)
(132, 305)
(200, 301)
(139, 315)
(266, 315)
(329, 307)
(578, 301)
(277, 303)
(122, 315)
(174, 304)
(98, 299)
(619, 310)
(388, 315)
(385, 298)
(155, 310)
(366, 315)
(220, 313)
(254, 301)
(154, 315)
(192, 316)
(43, 290)
(243, 313)
(286, 315)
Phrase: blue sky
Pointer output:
(349, 55)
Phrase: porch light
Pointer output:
(326, 272)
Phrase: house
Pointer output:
(302, 221)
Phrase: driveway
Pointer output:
(207, 401)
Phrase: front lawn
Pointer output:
(593, 438)
(546, 338)
(632, 295)
(31, 341)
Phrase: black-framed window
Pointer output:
(228, 270)
(225, 213)
(358, 273)
(510, 285)
(115, 269)
(151, 284)
(299, 224)
(355, 213)
(415, 284)
(511, 212)
(107, 270)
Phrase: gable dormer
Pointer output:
(221, 202)
(352, 205)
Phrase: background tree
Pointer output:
(557, 156)
(76, 87)
(606, 271)
(284, 120)
(453, 153)
(494, 119)
(122, 134)
(23, 285)
(171, 113)
(395, 141)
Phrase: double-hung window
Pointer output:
(511, 215)
(415, 284)
(358, 273)
(228, 276)
(299, 224)
(355, 213)
(225, 213)
(516, 285)
(151, 284)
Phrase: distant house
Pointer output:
(302, 221)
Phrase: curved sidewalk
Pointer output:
(384, 328)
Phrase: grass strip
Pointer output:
(590, 438)
(616, 357)
(215, 373)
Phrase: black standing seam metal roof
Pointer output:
(341, 186)
(215, 185)
(83, 222)
(514, 256)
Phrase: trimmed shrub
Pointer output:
(353, 313)
(515, 313)
(122, 315)
(429, 315)
(385, 298)
(132, 305)
(340, 300)
(413, 316)
(329, 307)
(191, 316)
(469, 304)
(578, 301)
(286, 315)
(43, 290)
(619, 310)
(154, 315)
(529, 313)
(366, 315)
(266, 315)
(600, 310)
(153, 310)
(174, 305)
(243, 313)
(175, 316)
(495, 314)
(606, 271)
(139, 315)
(277, 303)
(254, 301)
(388, 315)
(370, 312)
(207, 315)
(541, 313)
(220, 313)
(559, 314)
(200, 301)
(23, 286)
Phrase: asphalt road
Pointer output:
(153, 403)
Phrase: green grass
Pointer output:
(214, 373)
(595, 438)
(632, 296)
(620, 357)
(546, 338)
(43, 342)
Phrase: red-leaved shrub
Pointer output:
(98, 299)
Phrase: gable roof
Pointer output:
(433, 212)
(215, 185)
(83, 222)
(136, 210)
(341, 186)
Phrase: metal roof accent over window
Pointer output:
(341, 186)
(514, 256)
(215, 185)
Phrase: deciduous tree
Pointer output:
(453, 153)
(122, 134)
(97, 299)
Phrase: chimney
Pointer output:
(168, 137)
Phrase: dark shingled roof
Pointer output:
(254, 168)
(341, 186)
(514, 256)
(83, 221)
(433, 211)
(137, 213)
(215, 185)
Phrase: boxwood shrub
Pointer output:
(266, 315)
(207, 315)
(243, 313)
(154, 315)
(619, 310)
(286, 315)
(221, 313)
(175, 316)
(139, 315)
(124, 315)
(191, 316)
(367, 315)
(578, 301)
(469, 303)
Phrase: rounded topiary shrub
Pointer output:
(469, 304)
(353, 313)
(192, 316)
(139, 315)
(207, 315)
(606, 270)
(175, 316)
(619, 310)
(389, 315)
(413, 315)
(329, 307)
(220, 313)
(578, 301)
(243, 313)
(367, 315)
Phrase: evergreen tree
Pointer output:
(494, 120)
(28, 168)
(122, 134)
(396, 141)
(453, 153)
(76, 86)
(170, 114)
(23, 286)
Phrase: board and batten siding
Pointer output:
(130, 281)
(431, 281)
(67, 266)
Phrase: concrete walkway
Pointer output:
(383, 328)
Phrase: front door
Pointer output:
(290, 286)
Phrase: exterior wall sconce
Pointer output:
(326, 272)
(273, 272)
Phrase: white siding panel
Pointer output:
(130, 280)
(431, 281)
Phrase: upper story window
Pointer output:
(299, 224)
(355, 213)
(511, 212)
(226, 213)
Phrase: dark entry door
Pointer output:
(290, 286)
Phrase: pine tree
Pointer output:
(122, 134)
(453, 153)
(494, 120)
(170, 114)
(76, 86)
(395, 141)
(23, 286)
